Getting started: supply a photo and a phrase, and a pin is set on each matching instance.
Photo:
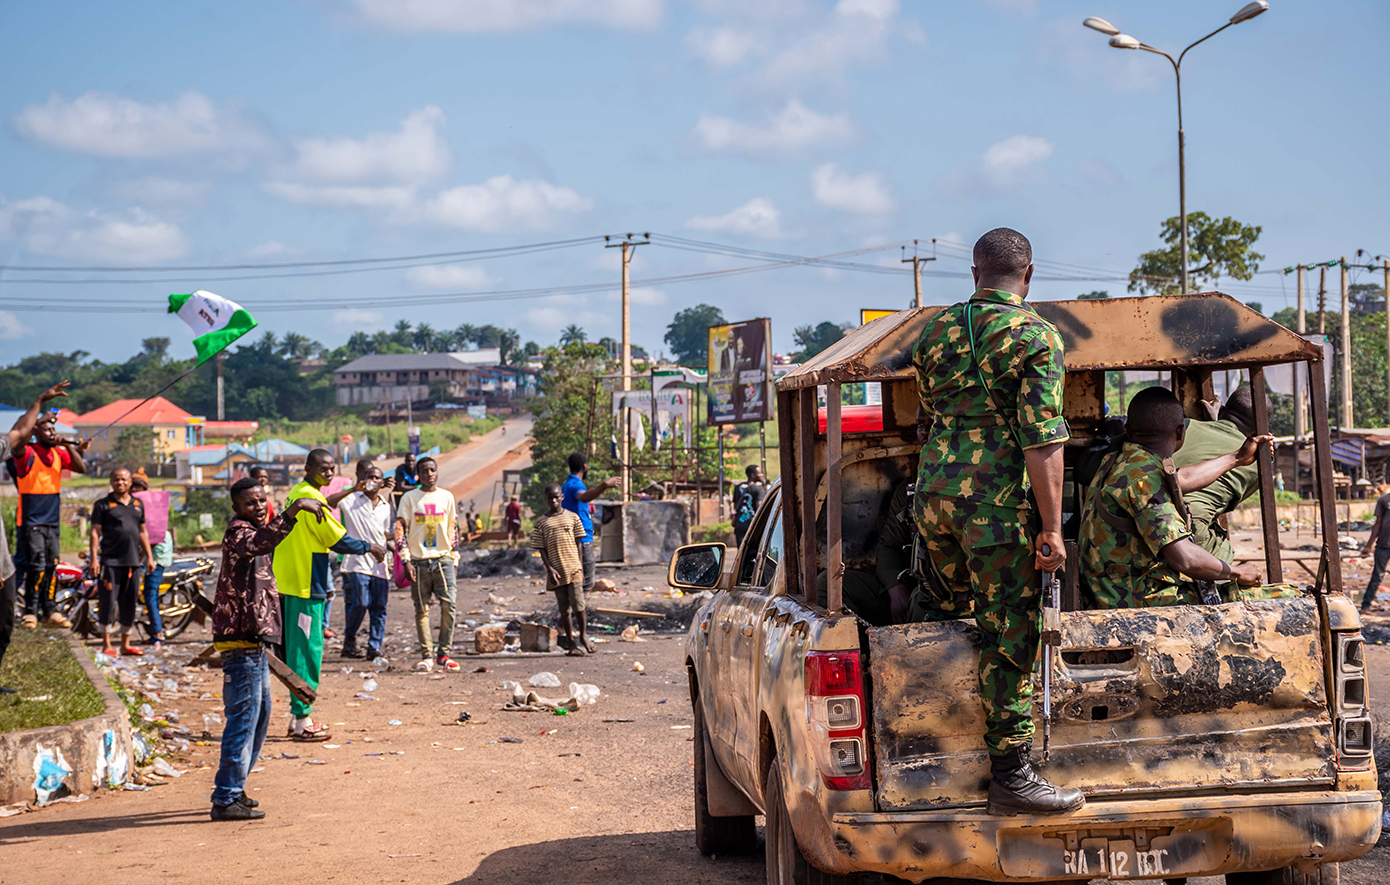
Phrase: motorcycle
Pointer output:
(76, 588)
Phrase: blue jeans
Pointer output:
(246, 700)
(1377, 572)
(363, 594)
(152, 580)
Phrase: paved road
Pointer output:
(471, 470)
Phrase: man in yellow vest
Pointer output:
(303, 579)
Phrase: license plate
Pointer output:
(1043, 854)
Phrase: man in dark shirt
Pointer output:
(1379, 544)
(121, 545)
(748, 496)
(407, 478)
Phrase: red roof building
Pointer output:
(172, 429)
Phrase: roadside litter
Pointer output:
(545, 679)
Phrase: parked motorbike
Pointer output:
(76, 588)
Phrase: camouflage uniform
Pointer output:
(971, 506)
(1130, 514)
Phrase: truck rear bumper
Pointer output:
(1121, 838)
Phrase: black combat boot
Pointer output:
(1015, 788)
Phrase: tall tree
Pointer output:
(1216, 249)
(401, 333)
(562, 416)
(1095, 295)
(814, 339)
(688, 334)
(573, 334)
(507, 342)
(465, 335)
(489, 336)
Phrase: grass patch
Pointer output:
(40, 663)
(714, 533)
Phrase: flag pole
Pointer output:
(141, 403)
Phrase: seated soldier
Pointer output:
(1209, 439)
(1136, 547)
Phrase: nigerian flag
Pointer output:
(215, 321)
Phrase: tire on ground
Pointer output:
(1327, 874)
(716, 835)
(786, 865)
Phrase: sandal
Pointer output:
(132, 651)
(577, 652)
(310, 737)
(447, 663)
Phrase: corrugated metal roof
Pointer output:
(414, 362)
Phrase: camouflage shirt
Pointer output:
(1120, 563)
(971, 452)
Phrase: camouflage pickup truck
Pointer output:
(1226, 739)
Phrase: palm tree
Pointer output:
(573, 334)
(465, 335)
(401, 334)
(424, 338)
(295, 346)
(489, 336)
(507, 344)
(360, 344)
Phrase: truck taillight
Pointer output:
(835, 711)
(1355, 739)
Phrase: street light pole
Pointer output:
(1124, 41)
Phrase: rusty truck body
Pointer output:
(1219, 739)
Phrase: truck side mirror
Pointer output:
(696, 567)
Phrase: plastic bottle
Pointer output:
(369, 685)
(380, 662)
(584, 694)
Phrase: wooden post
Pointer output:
(1269, 518)
(806, 488)
(834, 553)
(1322, 461)
(1348, 419)
(786, 449)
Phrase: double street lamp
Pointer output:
(1124, 41)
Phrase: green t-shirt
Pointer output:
(301, 560)
(1206, 440)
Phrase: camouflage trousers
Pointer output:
(983, 553)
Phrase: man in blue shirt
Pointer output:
(576, 497)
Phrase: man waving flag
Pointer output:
(215, 321)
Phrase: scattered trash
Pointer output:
(288, 756)
(464, 716)
(141, 747)
(398, 752)
(679, 727)
(50, 770)
(402, 855)
(211, 722)
(629, 634)
(509, 740)
(373, 754)
(637, 666)
(369, 685)
(380, 662)
(147, 712)
(494, 599)
(585, 694)
(42, 697)
(363, 696)
(315, 762)
(134, 787)
(162, 768)
(481, 670)
(332, 746)
(545, 679)
(172, 717)
(394, 722)
(620, 720)
(560, 711)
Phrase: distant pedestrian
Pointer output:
(302, 579)
(513, 519)
(407, 479)
(367, 515)
(429, 519)
(121, 545)
(163, 550)
(558, 535)
(475, 525)
(748, 496)
(16, 436)
(576, 500)
(245, 619)
(38, 472)
(262, 478)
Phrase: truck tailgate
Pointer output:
(1153, 700)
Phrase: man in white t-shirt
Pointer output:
(367, 515)
(430, 522)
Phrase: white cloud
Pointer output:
(838, 189)
(111, 126)
(343, 197)
(502, 203)
(721, 47)
(1002, 162)
(450, 276)
(473, 16)
(355, 320)
(53, 228)
(794, 127)
(857, 31)
(758, 217)
(159, 190)
(416, 152)
(11, 329)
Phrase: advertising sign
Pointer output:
(866, 315)
(740, 380)
(477, 413)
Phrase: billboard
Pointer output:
(868, 315)
(740, 364)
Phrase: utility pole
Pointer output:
(625, 449)
(221, 403)
(1299, 427)
(1386, 284)
(917, 272)
(1347, 418)
(1322, 300)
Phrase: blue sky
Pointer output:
(156, 134)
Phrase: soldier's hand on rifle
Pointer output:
(54, 392)
(1246, 575)
(1245, 455)
(899, 598)
(1056, 558)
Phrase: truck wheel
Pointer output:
(1327, 874)
(786, 865)
(716, 835)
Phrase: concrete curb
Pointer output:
(42, 764)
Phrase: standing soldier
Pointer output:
(990, 377)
